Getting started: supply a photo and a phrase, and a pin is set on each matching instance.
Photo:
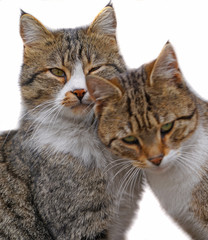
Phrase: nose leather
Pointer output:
(79, 93)
(156, 160)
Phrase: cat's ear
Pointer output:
(105, 22)
(101, 89)
(165, 67)
(32, 31)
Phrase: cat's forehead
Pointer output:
(159, 104)
(71, 45)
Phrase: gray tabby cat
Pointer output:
(150, 116)
(56, 178)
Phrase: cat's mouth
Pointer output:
(81, 108)
(77, 104)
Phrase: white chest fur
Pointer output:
(78, 140)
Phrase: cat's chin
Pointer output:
(158, 169)
(78, 111)
(81, 109)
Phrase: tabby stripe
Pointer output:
(187, 117)
(147, 97)
(122, 80)
(80, 51)
(138, 123)
(148, 124)
(30, 80)
(129, 106)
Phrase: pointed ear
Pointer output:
(105, 22)
(32, 31)
(101, 89)
(165, 66)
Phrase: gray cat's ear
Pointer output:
(165, 67)
(32, 31)
(101, 89)
(105, 22)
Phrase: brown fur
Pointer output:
(151, 97)
(141, 113)
(58, 189)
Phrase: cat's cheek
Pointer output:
(170, 158)
(123, 151)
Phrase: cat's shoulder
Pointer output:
(5, 137)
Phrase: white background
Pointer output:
(144, 26)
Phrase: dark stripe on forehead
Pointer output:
(31, 79)
(147, 97)
(138, 123)
(80, 50)
(129, 106)
(74, 46)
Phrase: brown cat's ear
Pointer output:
(101, 89)
(32, 31)
(105, 22)
(165, 67)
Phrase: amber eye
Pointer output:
(94, 69)
(58, 72)
(166, 128)
(130, 140)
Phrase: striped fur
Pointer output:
(55, 175)
(168, 131)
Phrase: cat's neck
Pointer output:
(75, 138)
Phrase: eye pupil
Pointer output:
(130, 140)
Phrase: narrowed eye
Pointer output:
(94, 69)
(130, 140)
(166, 128)
(58, 72)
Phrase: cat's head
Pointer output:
(145, 114)
(56, 63)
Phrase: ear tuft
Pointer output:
(22, 12)
(32, 31)
(110, 4)
(166, 66)
(101, 89)
(105, 22)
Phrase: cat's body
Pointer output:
(150, 116)
(57, 179)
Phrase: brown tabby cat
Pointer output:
(52, 181)
(151, 117)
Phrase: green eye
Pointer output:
(57, 72)
(166, 128)
(130, 140)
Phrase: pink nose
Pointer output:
(156, 160)
(79, 93)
